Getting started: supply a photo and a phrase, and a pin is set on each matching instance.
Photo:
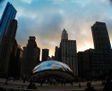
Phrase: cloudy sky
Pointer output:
(46, 19)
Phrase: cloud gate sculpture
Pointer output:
(52, 69)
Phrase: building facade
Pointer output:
(31, 57)
(15, 61)
(67, 52)
(8, 15)
(96, 63)
(8, 28)
(57, 54)
(6, 48)
(45, 54)
(100, 37)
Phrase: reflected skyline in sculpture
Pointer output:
(51, 65)
(52, 69)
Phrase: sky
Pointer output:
(46, 19)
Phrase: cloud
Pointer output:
(46, 30)
(110, 0)
(78, 22)
(1, 2)
(27, 1)
(24, 13)
(1, 6)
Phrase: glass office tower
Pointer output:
(8, 15)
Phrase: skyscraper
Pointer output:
(8, 15)
(64, 35)
(6, 48)
(96, 63)
(45, 54)
(100, 36)
(15, 61)
(68, 52)
(31, 57)
(57, 53)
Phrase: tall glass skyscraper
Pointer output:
(8, 15)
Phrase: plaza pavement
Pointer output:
(18, 85)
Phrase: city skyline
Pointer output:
(50, 17)
(92, 63)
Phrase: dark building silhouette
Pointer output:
(84, 66)
(64, 35)
(66, 53)
(57, 54)
(96, 63)
(31, 57)
(45, 54)
(100, 36)
(8, 15)
(15, 61)
(19, 56)
(6, 47)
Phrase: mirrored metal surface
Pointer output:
(52, 65)
(52, 69)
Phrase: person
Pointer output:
(108, 85)
(89, 87)
(79, 85)
(64, 82)
(41, 83)
(24, 79)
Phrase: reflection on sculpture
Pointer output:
(54, 65)
(52, 70)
